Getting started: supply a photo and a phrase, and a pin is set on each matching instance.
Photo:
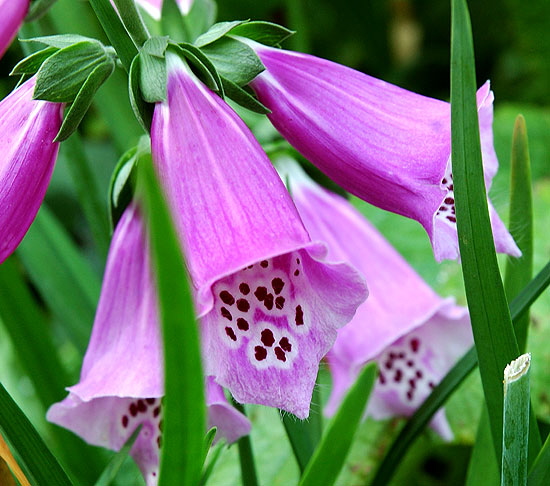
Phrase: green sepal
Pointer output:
(243, 97)
(172, 21)
(78, 108)
(217, 31)
(61, 40)
(207, 72)
(61, 77)
(123, 180)
(266, 33)
(142, 110)
(38, 8)
(152, 72)
(31, 64)
(234, 60)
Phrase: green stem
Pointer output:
(132, 20)
(246, 455)
(119, 38)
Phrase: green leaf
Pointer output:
(329, 457)
(214, 456)
(39, 464)
(266, 33)
(234, 60)
(172, 22)
(184, 403)
(207, 71)
(121, 186)
(515, 434)
(152, 72)
(109, 473)
(38, 8)
(78, 108)
(540, 472)
(491, 323)
(61, 76)
(63, 40)
(31, 64)
(217, 31)
(200, 18)
(143, 111)
(520, 270)
(243, 96)
(65, 280)
(449, 384)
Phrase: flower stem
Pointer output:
(246, 455)
(132, 20)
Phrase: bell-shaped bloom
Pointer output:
(154, 7)
(269, 303)
(121, 384)
(413, 334)
(386, 145)
(13, 13)
(27, 130)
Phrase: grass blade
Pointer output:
(38, 462)
(515, 434)
(329, 456)
(184, 404)
(540, 472)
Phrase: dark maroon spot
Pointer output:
(268, 301)
(125, 421)
(388, 364)
(452, 219)
(243, 305)
(285, 344)
(267, 337)
(419, 374)
(133, 409)
(277, 284)
(159, 441)
(280, 302)
(410, 394)
(264, 264)
(227, 298)
(156, 412)
(401, 355)
(298, 261)
(412, 383)
(150, 401)
(244, 288)
(281, 356)
(242, 324)
(161, 423)
(299, 316)
(451, 187)
(431, 384)
(398, 376)
(260, 293)
(260, 353)
(410, 363)
(154, 473)
(449, 200)
(250, 266)
(415, 344)
(382, 378)
(442, 208)
(141, 406)
(444, 181)
(225, 313)
(393, 355)
(296, 273)
(229, 331)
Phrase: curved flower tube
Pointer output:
(121, 384)
(27, 130)
(154, 7)
(413, 334)
(269, 304)
(384, 144)
(13, 13)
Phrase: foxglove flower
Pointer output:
(13, 13)
(386, 145)
(154, 7)
(413, 334)
(121, 384)
(27, 130)
(269, 304)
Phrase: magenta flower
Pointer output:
(154, 7)
(415, 340)
(269, 304)
(121, 384)
(27, 131)
(13, 13)
(386, 145)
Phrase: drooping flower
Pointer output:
(382, 143)
(27, 130)
(154, 7)
(413, 334)
(269, 304)
(121, 384)
(13, 13)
